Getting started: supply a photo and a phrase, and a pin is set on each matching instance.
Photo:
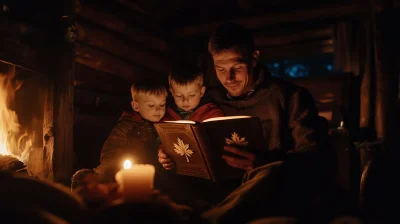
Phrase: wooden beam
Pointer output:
(88, 78)
(133, 6)
(257, 22)
(116, 45)
(24, 45)
(101, 103)
(296, 50)
(105, 62)
(116, 24)
(58, 112)
(261, 40)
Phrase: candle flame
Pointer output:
(127, 164)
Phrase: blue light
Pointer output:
(276, 65)
(329, 67)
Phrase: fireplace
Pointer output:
(37, 78)
(22, 100)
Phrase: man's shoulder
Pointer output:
(281, 86)
(279, 83)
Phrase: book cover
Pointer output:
(197, 148)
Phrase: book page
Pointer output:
(181, 122)
(225, 118)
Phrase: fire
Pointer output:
(12, 142)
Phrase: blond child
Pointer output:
(187, 89)
(133, 137)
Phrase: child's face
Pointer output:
(187, 97)
(150, 107)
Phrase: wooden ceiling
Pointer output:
(120, 41)
(130, 37)
(194, 17)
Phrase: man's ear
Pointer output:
(135, 106)
(202, 90)
(256, 55)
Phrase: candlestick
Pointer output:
(136, 181)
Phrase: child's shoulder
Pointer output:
(207, 109)
(130, 117)
(207, 102)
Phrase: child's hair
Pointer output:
(185, 74)
(149, 86)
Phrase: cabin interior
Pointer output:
(70, 65)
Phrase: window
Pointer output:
(310, 66)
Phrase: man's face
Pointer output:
(151, 107)
(233, 71)
(187, 97)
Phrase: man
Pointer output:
(284, 180)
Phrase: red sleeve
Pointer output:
(170, 115)
(211, 111)
(214, 112)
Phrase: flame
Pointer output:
(127, 164)
(12, 142)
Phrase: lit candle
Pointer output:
(136, 181)
(341, 125)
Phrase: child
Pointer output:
(134, 136)
(189, 103)
(187, 89)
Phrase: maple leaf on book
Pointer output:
(182, 149)
(236, 140)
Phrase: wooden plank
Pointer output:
(101, 103)
(116, 24)
(114, 44)
(257, 22)
(63, 117)
(133, 6)
(296, 50)
(86, 77)
(23, 45)
(61, 97)
(48, 132)
(283, 39)
(105, 62)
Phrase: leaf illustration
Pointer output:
(183, 149)
(236, 140)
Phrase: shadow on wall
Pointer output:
(90, 133)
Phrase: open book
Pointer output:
(197, 148)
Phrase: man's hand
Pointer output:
(164, 159)
(245, 164)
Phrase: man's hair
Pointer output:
(148, 86)
(185, 74)
(232, 36)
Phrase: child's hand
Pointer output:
(99, 193)
(164, 159)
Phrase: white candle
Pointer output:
(136, 181)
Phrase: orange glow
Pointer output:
(12, 141)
